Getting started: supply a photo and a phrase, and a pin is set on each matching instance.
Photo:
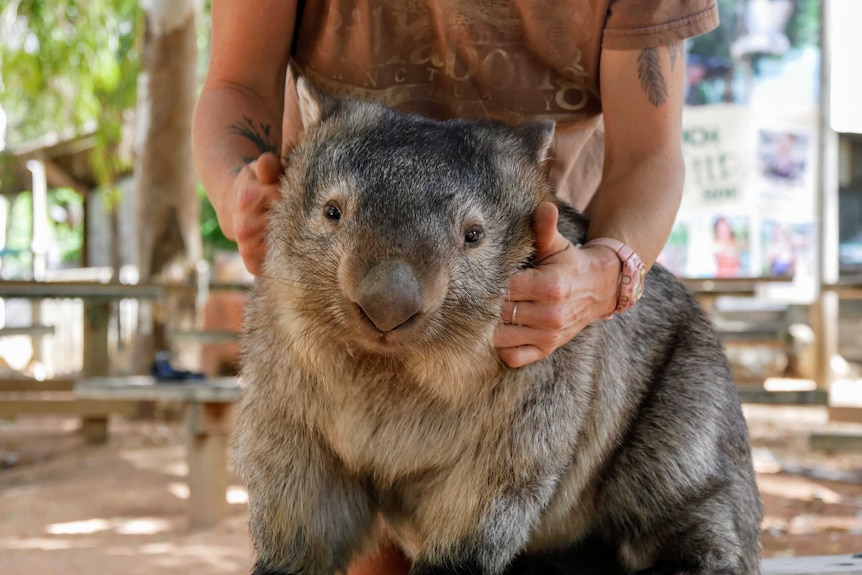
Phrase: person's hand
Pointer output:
(568, 289)
(243, 218)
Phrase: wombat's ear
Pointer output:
(538, 135)
(314, 105)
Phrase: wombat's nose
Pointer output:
(389, 294)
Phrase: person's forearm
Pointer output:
(638, 202)
(231, 127)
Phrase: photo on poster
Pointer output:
(783, 156)
(709, 246)
(784, 174)
(788, 248)
(730, 246)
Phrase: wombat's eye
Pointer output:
(332, 212)
(473, 236)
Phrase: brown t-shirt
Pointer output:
(502, 59)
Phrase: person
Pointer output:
(610, 74)
(728, 261)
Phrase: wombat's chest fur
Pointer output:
(375, 405)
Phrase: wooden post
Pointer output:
(97, 314)
(824, 313)
(209, 428)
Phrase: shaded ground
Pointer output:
(68, 508)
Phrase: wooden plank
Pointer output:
(206, 336)
(846, 442)
(147, 388)
(820, 565)
(84, 290)
(845, 414)
(13, 404)
(32, 330)
(26, 384)
(755, 394)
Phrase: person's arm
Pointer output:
(238, 118)
(642, 96)
(637, 203)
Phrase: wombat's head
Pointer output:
(396, 235)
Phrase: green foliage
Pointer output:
(804, 27)
(68, 62)
(213, 238)
(65, 225)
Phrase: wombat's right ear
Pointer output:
(538, 135)
(314, 105)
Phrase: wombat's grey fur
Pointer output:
(375, 405)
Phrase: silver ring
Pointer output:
(514, 313)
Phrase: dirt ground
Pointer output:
(74, 509)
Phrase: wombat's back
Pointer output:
(665, 440)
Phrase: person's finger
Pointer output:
(548, 240)
(508, 335)
(267, 168)
(250, 258)
(520, 356)
(517, 312)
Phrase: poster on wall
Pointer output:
(750, 145)
(717, 151)
(710, 245)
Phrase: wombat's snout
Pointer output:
(389, 294)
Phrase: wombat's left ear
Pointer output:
(314, 105)
(538, 135)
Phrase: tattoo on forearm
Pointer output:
(258, 134)
(651, 78)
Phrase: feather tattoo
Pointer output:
(259, 135)
(651, 78)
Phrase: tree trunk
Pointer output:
(168, 207)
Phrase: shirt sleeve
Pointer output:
(638, 24)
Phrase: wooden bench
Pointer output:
(98, 299)
(209, 423)
(31, 330)
(56, 397)
(757, 394)
(821, 565)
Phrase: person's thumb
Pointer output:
(267, 168)
(549, 241)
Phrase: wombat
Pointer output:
(375, 406)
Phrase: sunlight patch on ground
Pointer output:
(44, 543)
(808, 524)
(797, 488)
(179, 490)
(173, 556)
(167, 460)
(121, 526)
(236, 495)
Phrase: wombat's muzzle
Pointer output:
(389, 294)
